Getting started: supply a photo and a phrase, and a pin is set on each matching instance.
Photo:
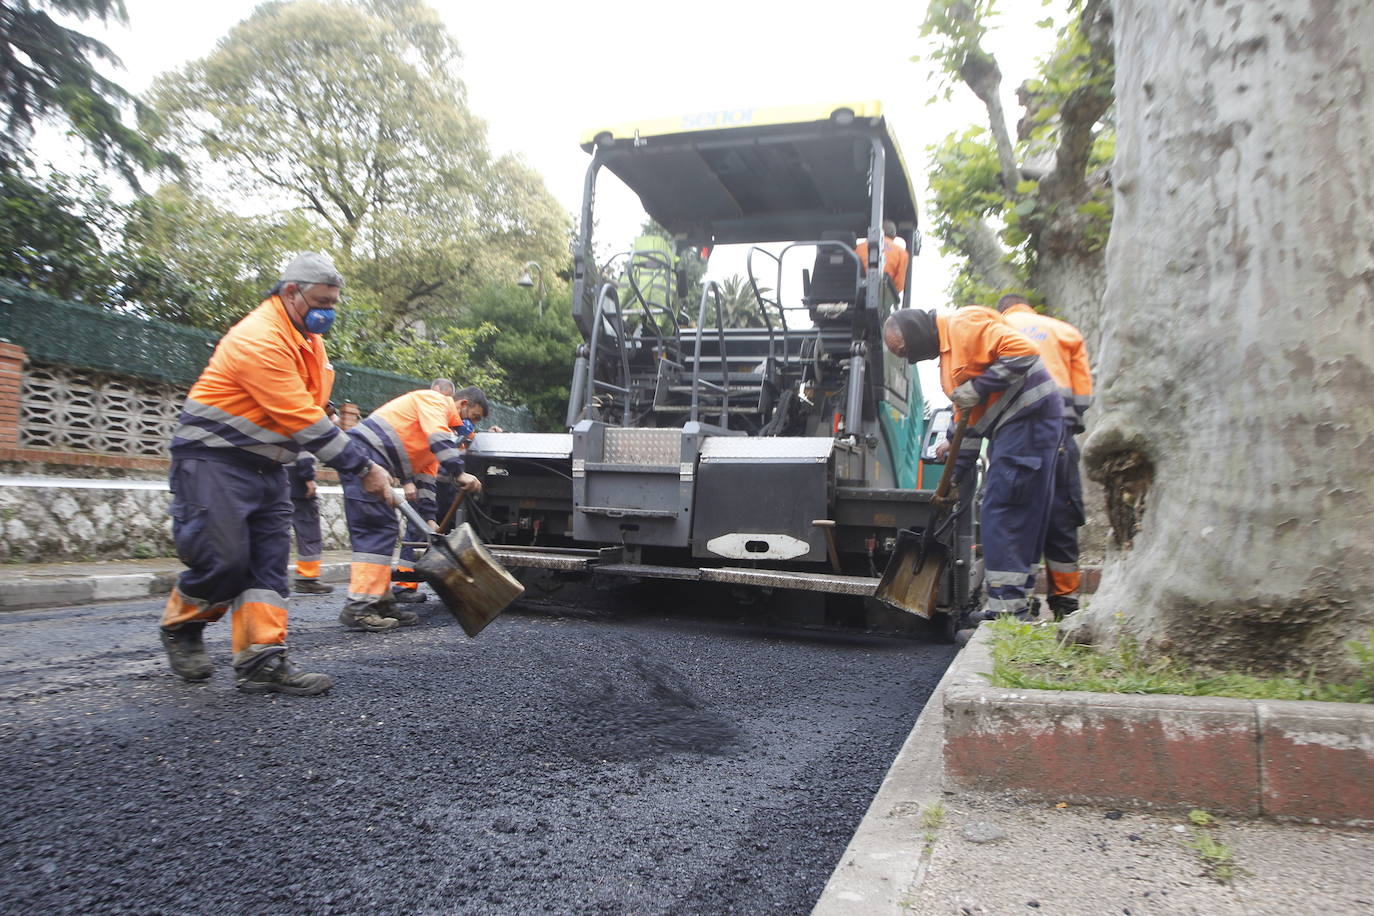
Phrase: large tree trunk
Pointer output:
(1236, 368)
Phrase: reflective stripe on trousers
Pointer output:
(305, 521)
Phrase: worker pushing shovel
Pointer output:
(998, 383)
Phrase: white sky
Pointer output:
(541, 73)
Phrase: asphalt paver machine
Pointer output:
(785, 454)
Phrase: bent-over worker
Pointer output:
(412, 436)
(994, 374)
(1066, 357)
(258, 403)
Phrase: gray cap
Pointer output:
(312, 267)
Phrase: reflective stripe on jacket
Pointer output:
(1065, 355)
(978, 345)
(262, 396)
(414, 435)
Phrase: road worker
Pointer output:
(895, 257)
(994, 374)
(473, 409)
(1066, 357)
(413, 437)
(258, 403)
(305, 519)
(475, 413)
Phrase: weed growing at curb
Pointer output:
(1218, 860)
(932, 819)
(1031, 657)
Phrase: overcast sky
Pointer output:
(541, 73)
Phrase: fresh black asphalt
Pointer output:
(632, 761)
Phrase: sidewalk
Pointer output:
(924, 847)
(39, 585)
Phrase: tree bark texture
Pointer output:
(1236, 369)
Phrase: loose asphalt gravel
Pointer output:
(589, 762)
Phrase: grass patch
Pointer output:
(1218, 860)
(933, 817)
(1030, 657)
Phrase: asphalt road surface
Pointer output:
(626, 762)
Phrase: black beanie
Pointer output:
(920, 333)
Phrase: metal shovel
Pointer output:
(911, 579)
(468, 580)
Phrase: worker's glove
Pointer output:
(966, 396)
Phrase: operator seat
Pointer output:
(834, 286)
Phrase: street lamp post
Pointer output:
(526, 282)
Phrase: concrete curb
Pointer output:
(36, 592)
(1312, 762)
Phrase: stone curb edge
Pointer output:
(1292, 760)
(46, 592)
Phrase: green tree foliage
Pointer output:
(533, 350)
(354, 114)
(189, 261)
(740, 306)
(1029, 212)
(50, 235)
(48, 71)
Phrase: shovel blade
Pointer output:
(911, 581)
(468, 580)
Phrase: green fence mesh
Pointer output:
(64, 333)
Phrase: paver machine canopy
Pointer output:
(787, 445)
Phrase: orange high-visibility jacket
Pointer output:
(978, 345)
(895, 259)
(1065, 355)
(262, 397)
(414, 435)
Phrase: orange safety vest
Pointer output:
(263, 395)
(414, 432)
(895, 259)
(971, 340)
(1065, 355)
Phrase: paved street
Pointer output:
(583, 763)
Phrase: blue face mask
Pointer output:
(318, 321)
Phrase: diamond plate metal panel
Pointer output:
(790, 448)
(643, 446)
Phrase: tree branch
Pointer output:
(1085, 105)
(980, 72)
(986, 256)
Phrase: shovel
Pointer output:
(465, 576)
(912, 577)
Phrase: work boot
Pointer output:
(409, 595)
(1062, 606)
(311, 586)
(186, 651)
(402, 617)
(266, 669)
(363, 615)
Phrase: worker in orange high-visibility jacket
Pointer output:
(258, 403)
(412, 436)
(1066, 357)
(472, 407)
(895, 257)
(994, 373)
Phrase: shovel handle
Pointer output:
(452, 510)
(412, 516)
(955, 441)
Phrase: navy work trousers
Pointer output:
(1066, 517)
(232, 527)
(1016, 503)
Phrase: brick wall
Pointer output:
(11, 372)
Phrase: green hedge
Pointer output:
(66, 333)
